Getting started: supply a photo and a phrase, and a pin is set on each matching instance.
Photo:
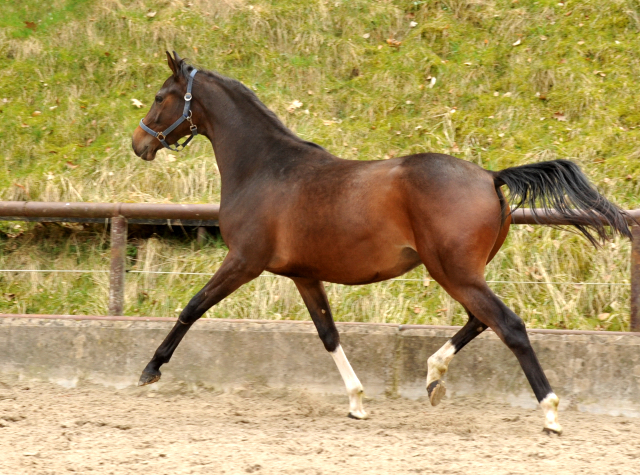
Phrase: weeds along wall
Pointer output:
(498, 83)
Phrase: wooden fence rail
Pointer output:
(200, 215)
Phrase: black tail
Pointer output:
(560, 186)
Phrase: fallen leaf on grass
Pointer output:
(35, 113)
(603, 316)
(393, 43)
(136, 103)
(151, 14)
(71, 165)
(560, 116)
(294, 105)
(31, 25)
(518, 42)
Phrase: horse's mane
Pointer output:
(237, 89)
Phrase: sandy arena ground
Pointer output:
(47, 429)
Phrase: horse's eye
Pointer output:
(158, 99)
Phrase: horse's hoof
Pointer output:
(358, 415)
(556, 429)
(149, 378)
(436, 391)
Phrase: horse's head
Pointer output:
(167, 109)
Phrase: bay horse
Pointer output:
(290, 207)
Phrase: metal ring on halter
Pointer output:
(187, 97)
(161, 136)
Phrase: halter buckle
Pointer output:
(193, 128)
(161, 136)
(188, 96)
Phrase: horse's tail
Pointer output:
(560, 186)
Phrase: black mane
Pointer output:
(237, 89)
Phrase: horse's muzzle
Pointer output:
(143, 146)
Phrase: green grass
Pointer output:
(567, 90)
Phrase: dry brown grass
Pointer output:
(580, 60)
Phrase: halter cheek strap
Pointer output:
(186, 115)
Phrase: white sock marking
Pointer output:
(351, 381)
(439, 362)
(549, 406)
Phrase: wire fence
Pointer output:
(209, 274)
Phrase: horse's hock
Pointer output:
(591, 371)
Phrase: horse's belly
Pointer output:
(349, 266)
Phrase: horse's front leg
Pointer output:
(315, 299)
(233, 273)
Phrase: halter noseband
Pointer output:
(186, 115)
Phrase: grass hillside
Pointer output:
(498, 83)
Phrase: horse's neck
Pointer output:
(246, 142)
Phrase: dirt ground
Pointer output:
(48, 429)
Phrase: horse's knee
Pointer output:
(191, 312)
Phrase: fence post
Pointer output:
(118, 263)
(635, 280)
(201, 237)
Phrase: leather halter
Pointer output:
(186, 115)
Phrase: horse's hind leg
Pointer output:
(232, 274)
(315, 298)
(438, 363)
(490, 310)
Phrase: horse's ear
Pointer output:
(172, 64)
(177, 58)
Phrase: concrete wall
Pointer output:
(590, 371)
